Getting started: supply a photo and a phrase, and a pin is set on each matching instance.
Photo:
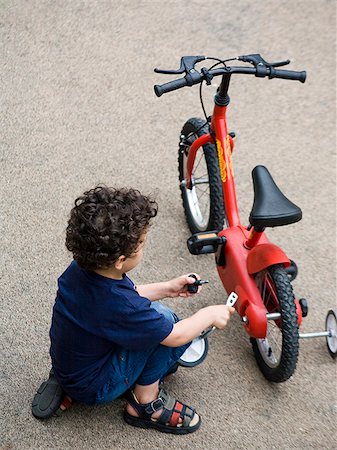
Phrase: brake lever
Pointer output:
(187, 64)
(280, 63)
(172, 72)
(257, 60)
(263, 68)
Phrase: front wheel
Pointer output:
(277, 354)
(204, 202)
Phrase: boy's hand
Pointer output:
(187, 329)
(222, 314)
(178, 286)
(173, 288)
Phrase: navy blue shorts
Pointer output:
(129, 367)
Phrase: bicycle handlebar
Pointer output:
(261, 72)
(290, 75)
(161, 89)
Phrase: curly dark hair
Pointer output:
(106, 223)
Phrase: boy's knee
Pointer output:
(165, 311)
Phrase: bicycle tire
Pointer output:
(331, 324)
(192, 358)
(212, 215)
(277, 295)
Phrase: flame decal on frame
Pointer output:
(222, 162)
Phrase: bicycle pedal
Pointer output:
(203, 243)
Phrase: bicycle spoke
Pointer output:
(200, 177)
(201, 158)
(203, 192)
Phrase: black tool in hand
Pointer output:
(193, 288)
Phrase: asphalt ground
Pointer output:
(78, 109)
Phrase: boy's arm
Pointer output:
(153, 291)
(173, 288)
(187, 329)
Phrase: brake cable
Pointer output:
(219, 61)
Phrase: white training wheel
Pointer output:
(331, 327)
(195, 353)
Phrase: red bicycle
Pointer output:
(259, 272)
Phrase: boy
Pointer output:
(109, 337)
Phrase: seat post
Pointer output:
(254, 237)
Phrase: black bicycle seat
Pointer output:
(271, 207)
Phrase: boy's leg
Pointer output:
(129, 368)
(172, 317)
(166, 311)
(151, 407)
(145, 394)
(161, 362)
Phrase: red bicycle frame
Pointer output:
(247, 251)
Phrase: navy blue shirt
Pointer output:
(95, 317)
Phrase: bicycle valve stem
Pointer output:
(200, 282)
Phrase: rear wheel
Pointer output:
(277, 354)
(203, 203)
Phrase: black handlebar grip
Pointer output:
(161, 89)
(302, 76)
(290, 75)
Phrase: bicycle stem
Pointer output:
(222, 98)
